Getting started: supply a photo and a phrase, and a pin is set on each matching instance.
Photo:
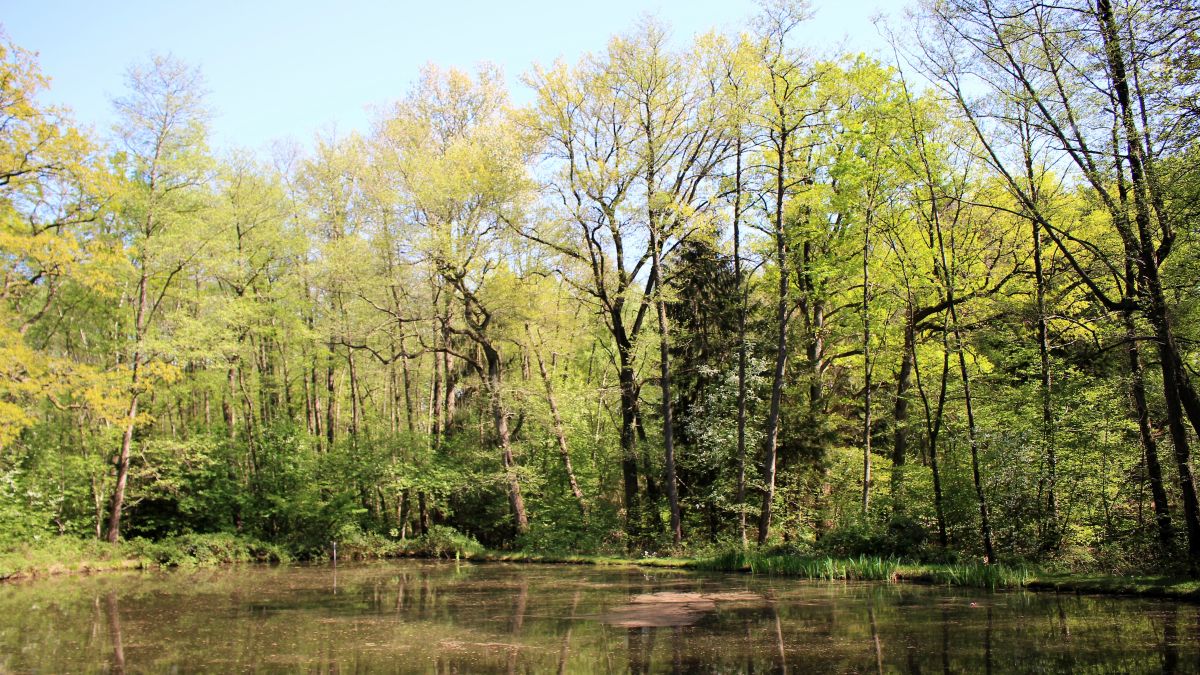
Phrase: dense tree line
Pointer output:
(731, 291)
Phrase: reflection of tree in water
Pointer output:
(565, 652)
(875, 635)
(639, 645)
(1170, 647)
(520, 603)
(779, 637)
(113, 612)
(987, 642)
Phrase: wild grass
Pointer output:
(862, 568)
(991, 577)
(64, 555)
(67, 555)
(867, 568)
(576, 559)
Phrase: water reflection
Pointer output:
(417, 616)
(112, 612)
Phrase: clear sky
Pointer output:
(279, 69)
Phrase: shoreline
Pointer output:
(98, 557)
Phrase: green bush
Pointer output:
(446, 542)
(900, 537)
(207, 549)
(354, 544)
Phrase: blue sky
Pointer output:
(289, 69)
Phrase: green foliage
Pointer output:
(900, 537)
(446, 542)
(26, 514)
(198, 550)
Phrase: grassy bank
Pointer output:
(991, 577)
(1150, 586)
(873, 568)
(867, 568)
(65, 556)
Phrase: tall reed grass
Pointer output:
(866, 568)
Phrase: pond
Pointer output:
(444, 617)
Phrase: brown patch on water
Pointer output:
(671, 608)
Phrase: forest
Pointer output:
(690, 295)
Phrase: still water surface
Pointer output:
(421, 616)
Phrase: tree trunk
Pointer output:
(985, 526)
(933, 427)
(422, 512)
(1053, 533)
(1137, 392)
(900, 412)
(227, 402)
(866, 319)
(664, 349)
(500, 424)
(559, 432)
(355, 404)
(331, 405)
(117, 503)
(781, 316)
(740, 498)
(629, 459)
(406, 380)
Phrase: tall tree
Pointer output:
(786, 107)
(162, 131)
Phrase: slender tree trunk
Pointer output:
(629, 472)
(406, 380)
(985, 526)
(933, 426)
(559, 432)
(1051, 530)
(393, 398)
(312, 384)
(402, 509)
(289, 402)
(740, 498)
(227, 402)
(331, 405)
(355, 404)
(664, 351)
(1047, 401)
(900, 412)
(1137, 392)
(117, 503)
(422, 512)
(866, 319)
(781, 316)
(435, 402)
(251, 425)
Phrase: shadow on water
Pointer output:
(420, 616)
